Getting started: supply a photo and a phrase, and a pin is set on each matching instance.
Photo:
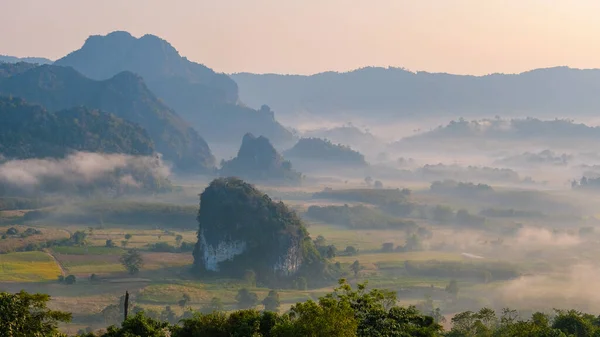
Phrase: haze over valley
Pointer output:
(150, 194)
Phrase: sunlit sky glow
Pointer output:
(309, 36)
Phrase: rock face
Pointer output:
(258, 160)
(241, 228)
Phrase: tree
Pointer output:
(246, 299)
(178, 239)
(128, 236)
(168, 315)
(215, 305)
(124, 243)
(111, 314)
(368, 180)
(356, 267)
(140, 325)
(331, 252)
(452, 288)
(378, 184)
(442, 213)
(132, 261)
(413, 243)
(94, 278)
(350, 250)
(78, 238)
(12, 231)
(71, 279)
(184, 300)
(250, 277)
(387, 247)
(301, 283)
(272, 302)
(109, 243)
(23, 314)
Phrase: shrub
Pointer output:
(71, 279)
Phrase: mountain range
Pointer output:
(397, 92)
(206, 99)
(125, 95)
(34, 60)
(30, 131)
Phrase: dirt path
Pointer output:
(62, 270)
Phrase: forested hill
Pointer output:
(29, 131)
(125, 95)
(399, 92)
(325, 151)
(258, 160)
(206, 99)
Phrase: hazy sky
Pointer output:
(308, 36)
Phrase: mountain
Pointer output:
(325, 152)
(258, 160)
(397, 92)
(29, 131)
(125, 95)
(35, 60)
(206, 99)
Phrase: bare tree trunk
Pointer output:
(126, 304)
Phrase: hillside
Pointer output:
(29, 131)
(206, 99)
(125, 95)
(13, 59)
(398, 92)
(257, 160)
(324, 151)
(558, 131)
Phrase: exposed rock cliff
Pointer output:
(241, 228)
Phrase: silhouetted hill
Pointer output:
(206, 99)
(399, 92)
(13, 59)
(324, 151)
(126, 96)
(29, 131)
(257, 160)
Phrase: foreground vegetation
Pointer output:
(343, 312)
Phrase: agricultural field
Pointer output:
(483, 261)
(28, 267)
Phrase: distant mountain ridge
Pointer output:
(208, 100)
(125, 95)
(29, 131)
(14, 59)
(397, 92)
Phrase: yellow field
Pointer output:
(28, 267)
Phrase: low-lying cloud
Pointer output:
(82, 168)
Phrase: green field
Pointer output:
(28, 267)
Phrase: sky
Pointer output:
(309, 36)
